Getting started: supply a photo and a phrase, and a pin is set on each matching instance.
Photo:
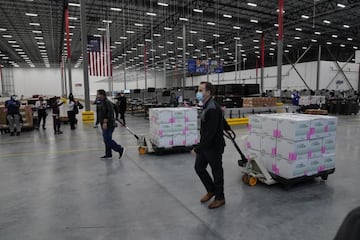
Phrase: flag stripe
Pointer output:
(99, 52)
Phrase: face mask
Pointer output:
(199, 96)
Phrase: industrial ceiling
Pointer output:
(32, 31)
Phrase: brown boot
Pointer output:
(207, 197)
(216, 204)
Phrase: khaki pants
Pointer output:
(14, 121)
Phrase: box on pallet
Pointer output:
(160, 115)
(293, 128)
(256, 123)
(178, 115)
(329, 145)
(268, 145)
(254, 141)
(315, 165)
(290, 169)
(162, 141)
(179, 139)
(164, 129)
(315, 147)
(191, 126)
(191, 115)
(270, 125)
(192, 138)
(330, 125)
(329, 161)
(268, 160)
(178, 127)
(292, 151)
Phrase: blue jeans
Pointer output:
(110, 144)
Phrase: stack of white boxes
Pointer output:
(171, 127)
(292, 145)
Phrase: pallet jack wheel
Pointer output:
(245, 178)
(142, 150)
(324, 177)
(252, 181)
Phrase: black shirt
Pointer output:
(105, 110)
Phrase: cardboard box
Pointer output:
(317, 128)
(329, 161)
(329, 145)
(178, 115)
(255, 123)
(192, 138)
(163, 141)
(191, 126)
(179, 127)
(164, 129)
(330, 125)
(315, 165)
(292, 151)
(315, 146)
(293, 128)
(191, 114)
(179, 139)
(270, 125)
(268, 160)
(268, 145)
(290, 169)
(160, 115)
(254, 141)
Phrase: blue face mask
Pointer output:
(199, 96)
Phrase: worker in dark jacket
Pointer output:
(211, 147)
(13, 115)
(107, 121)
(121, 106)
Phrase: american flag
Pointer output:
(98, 55)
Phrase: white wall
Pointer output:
(290, 80)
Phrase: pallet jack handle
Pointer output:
(129, 130)
(230, 134)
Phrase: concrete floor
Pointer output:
(55, 187)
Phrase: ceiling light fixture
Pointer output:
(236, 27)
(342, 45)
(346, 26)
(216, 35)
(130, 31)
(106, 21)
(168, 28)
(252, 4)
(254, 21)
(340, 5)
(210, 23)
(116, 9)
(227, 16)
(31, 14)
(138, 24)
(298, 29)
(163, 4)
(297, 38)
(334, 36)
(7, 36)
(183, 19)
(157, 35)
(317, 33)
(151, 14)
(74, 4)
(178, 37)
(258, 31)
(202, 40)
(305, 16)
(73, 18)
(326, 21)
(328, 43)
(197, 10)
(193, 32)
(101, 29)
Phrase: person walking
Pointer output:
(211, 147)
(56, 115)
(122, 107)
(41, 106)
(13, 115)
(107, 122)
(71, 111)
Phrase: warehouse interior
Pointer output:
(285, 61)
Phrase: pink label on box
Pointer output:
(321, 168)
(248, 144)
(249, 127)
(309, 154)
(292, 156)
(279, 134)
(326, 128)
(273, 152)
(161, 133)
(186, 128)
(184, 142)
(186, 119)
(184, 131)
(323, 149)
(275, 169)
(171, 142)
(275, 132)
(305, 173)
(196, 141)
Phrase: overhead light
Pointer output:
(101, 29)
(12, 41)
(151, 14)
(183, 19)
(74, 4)
(138, 24)
(237, 38)
(157, 56)
(170, 51)
(297, 38)
(236, 27)
(120, 37)
(256, 47)
(117, 43)
(210, 23)
(305, 16)
(15, 46)
(197, 50)
(160, 46)
(289, 45)
(208, 47)
(340, 5)
(134, 49)
(168, 28)
(163, 4)
(258, 31)
(190, 44)
(34, 24)
(7, 36)
(317, 33)
(342, 45)
(226, 49)
(276, 25)
(252, 4)
(178, 37)
(346, 26)
(31, 14)
(255, 40)
(157, 35)
(222, 43)
(41, 43)
(298, 29)
(313, 40)
(179, 48)
(349, 39)
(328, 43)
(97, 35)
(334, 36)
(271, 54)
(130, 31)
(106, 21)
(254, 21)
(355, 47)
(216, 35)
(271, 49)
(202, 40)
(39, 38)
(71, 27)
(326, 21)
(286, 51)
(277, 10)
(163, 54)
(116, 9)
(193, 32)
(273, 43)
(73, 18)
(21, 50)
(147, 40)
(227, 16)
(197, 10)
(169, 42)
(3, 29)
(257, 52)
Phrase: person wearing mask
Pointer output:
(56, 114)
(13, 115)
(71, 111)
(107, 122)
(122, 107)
(211, 146)
(41, 105)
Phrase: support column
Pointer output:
(145, 66)
(262, 62)
(318, 70)
(84, 53)
(70, 79)
(256, 70)
(68, 46)
(236, 59)
(280, 43)
(108, 56)
(124, 57)
(165, 72)
(184, 58)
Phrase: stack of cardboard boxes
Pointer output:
(292, 145)
(171, 127)
(259, 102)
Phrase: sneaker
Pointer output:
(106, 157)
(122, 152)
